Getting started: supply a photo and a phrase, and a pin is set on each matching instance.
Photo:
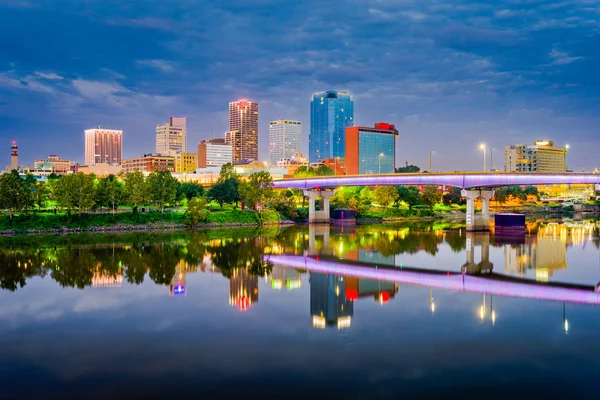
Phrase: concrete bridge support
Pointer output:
(323, 248)
(484, 266)
(478, 222)
(318, 216)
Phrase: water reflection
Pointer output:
(343, 265)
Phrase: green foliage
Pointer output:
(453, 196)
(74, 191)
(258, 189)
(307, 172)
(136, 189)
(408, 169)
(385, 195)
(163, 188)
(431, 196)
(14, 193)
(228, 172)
(410, 195)
(189, 190)
(323, 170)
(109, 192)
(500, 195)
(285, 205)
(39, 193)
(225, 191)
(197, 212)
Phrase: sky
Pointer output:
(448, 74)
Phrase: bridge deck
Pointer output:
(465, 180)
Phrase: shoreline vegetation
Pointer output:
(132, 201)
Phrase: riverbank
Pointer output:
(41, 223)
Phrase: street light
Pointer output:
(379, 159)
(431, 160)
(483, 147)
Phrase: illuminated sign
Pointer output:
(178, 290)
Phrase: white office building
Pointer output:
(285, 138)
(171, 138)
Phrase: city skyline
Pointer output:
(446, 76)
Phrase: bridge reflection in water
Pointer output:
(339, 276)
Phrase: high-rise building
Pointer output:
(186, 162)
(171, 138)
(371, 150)
(243, 130)
(14, 156)
(285, 140)
(214, 153)
(103, 146)
(329, 305)
(331, 112)
(542, 157)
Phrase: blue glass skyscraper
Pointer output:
(331, 112)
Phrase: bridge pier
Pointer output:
(484, 266)
(318, 216)
(478, 222)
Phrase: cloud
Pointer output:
(562, 58)
(49, 76)
(162, 65)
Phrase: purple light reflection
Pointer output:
(455, 282)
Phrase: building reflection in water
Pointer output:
(178, 285)
(546, 251)
(103, 278)
(288, 278)
(329, 305)
(243, 289)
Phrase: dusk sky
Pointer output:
(449, 74)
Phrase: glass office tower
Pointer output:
(331, 112)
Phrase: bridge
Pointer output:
(474, 186)
(494, 284)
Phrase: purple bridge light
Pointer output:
(463, 180)
(449, 281)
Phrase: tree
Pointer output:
(225, 192)
(136, 189)
(500, 195)
(197, 211)
(163, 188)
(408, 169)
(410, 195)
(14, 193)
(39, 194)
(189, 190)
(74, 191)
(324, 170)
(304, 171)
(285, 205)
(531, 191)
(385, 195)
(431, 195)
(109, 192)
(257, 189)
(453, 196)
(227, 172)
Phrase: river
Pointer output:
(392, 311)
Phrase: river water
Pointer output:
(386, 311)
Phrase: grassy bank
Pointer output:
(47, 222)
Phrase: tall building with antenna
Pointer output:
(14, 156)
